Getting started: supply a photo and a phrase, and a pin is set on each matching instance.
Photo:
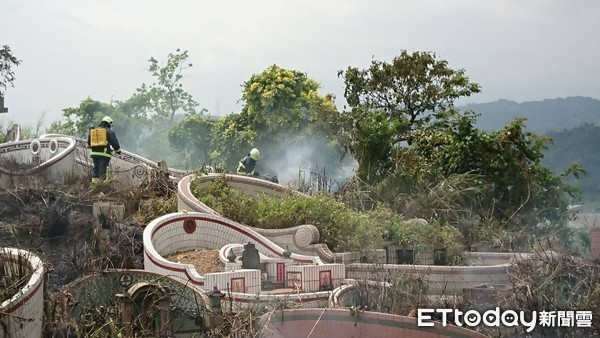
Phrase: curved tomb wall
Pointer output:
(22, 314)
(37, 162)
(180, 232)
(302, 239)
(127, 164)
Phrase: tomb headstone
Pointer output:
(250, 257)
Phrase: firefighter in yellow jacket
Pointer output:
(101, 140)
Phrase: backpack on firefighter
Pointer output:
(98, 137)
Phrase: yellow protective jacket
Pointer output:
(246, 167)
(113, 143)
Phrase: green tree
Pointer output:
(509, 161)
(294, 124)
(273, 98)
(282, 108)
(141, 121)
(135, 130)
(166, 97)
(496, 176)
(413, 91)
(78, 120)
(7, 63)
(279, 100)
(367, 137)
(192, 137)
(231, 138)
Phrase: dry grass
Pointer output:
(14, 274)
(555, 281)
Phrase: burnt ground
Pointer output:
(59, 227)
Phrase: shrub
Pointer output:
(341, 227)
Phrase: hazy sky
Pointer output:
(517, 50)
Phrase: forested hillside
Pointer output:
(572, 123)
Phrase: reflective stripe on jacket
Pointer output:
(112, 142)
(246, 166)
(101, 153)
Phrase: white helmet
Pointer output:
(255, 154)
(108, 120)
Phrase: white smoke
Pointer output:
(294, 162)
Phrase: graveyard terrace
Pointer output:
(301, 240)
(307, 277)
(482, 267)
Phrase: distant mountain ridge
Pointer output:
(573, 123)
(542, 116)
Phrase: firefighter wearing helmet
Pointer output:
(103, 141)
(247, 164)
